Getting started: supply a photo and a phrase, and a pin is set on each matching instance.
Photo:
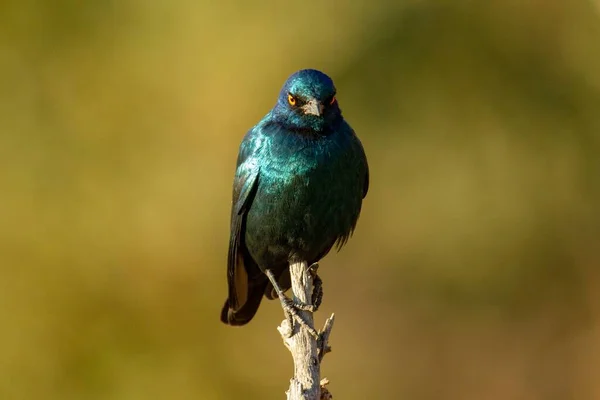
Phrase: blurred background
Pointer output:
(473, 273)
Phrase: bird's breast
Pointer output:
(306, 199)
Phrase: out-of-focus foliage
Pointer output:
(473, 273)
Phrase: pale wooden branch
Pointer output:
(306, 350)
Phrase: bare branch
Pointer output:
(307, 351)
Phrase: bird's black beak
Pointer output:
(313, 107)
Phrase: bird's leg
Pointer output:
(297, 305)
(290, 307)
(317, 295)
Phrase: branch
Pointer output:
(307, 351)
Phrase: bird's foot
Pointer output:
(291, 308)
(317, 294)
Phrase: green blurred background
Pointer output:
(473, 273)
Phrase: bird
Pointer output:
(300, 180)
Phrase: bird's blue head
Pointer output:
(307, 102)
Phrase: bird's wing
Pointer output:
(366, 184)
(244, 189)
(363, 160)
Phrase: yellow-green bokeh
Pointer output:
(473, 273)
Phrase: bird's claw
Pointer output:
(313, 268)
(317, 294)
(291, 307)
(290, 320)
(291, 311)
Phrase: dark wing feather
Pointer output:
(360, 152)
(366, 184)
(245, 185)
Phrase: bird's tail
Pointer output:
(245, 312)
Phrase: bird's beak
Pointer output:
(313, 107)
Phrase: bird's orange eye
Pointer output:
(332, 100)
(291, 100)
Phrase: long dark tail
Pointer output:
(243, 314)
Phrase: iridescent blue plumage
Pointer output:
(301, 176)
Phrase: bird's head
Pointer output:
(307, 101)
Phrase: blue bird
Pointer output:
(298, 189)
